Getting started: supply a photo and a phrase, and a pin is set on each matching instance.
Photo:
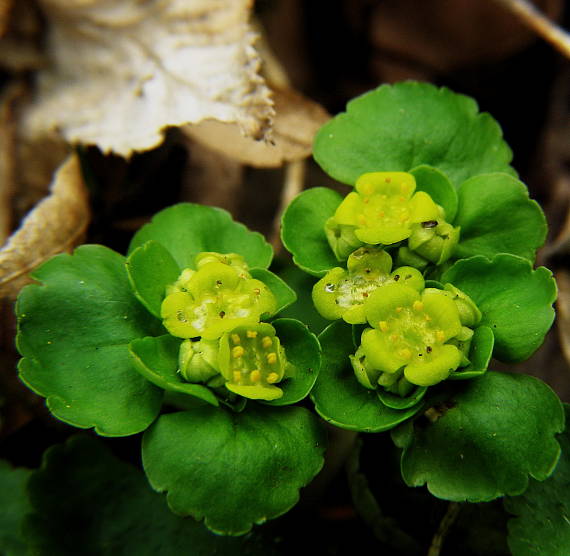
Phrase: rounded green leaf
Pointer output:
(111, 510)
(484, 438)
(233, 470)
(74, 332)
(303, 229)
(440, 189)
(156, 358)
(515, 300)
(284, 295)
(303, 352)
(542, 522)
(187, 229)
(338, 396)
(151, 268)
(402, 126)
(496, 216)
(15, 506)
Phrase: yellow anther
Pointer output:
(255, 376)
(367, 189)
(237, 376)
(418, 306)
(427, 317)
(235, 338)
(399, 309)
(394, 337)
(272, 378)
(387, 180)
(383, 325)
(405, 353)
(381, 214)
(271, 358)
(251, 334)
(402, 199)
(440, 335)
(237, 351)
(362, 219)
(403, 217)
(267, 342)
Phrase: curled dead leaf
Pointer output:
(121, 72)
(297, 119)
(55, 225)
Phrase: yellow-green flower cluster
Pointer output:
(217, 309)
(415, 337)
(385, 209)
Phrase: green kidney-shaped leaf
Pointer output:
(15, 506)
(497, 216)
(303, 229)
(437, 185)
(542, 522)
(156, 358)
(402, 126)
(187, 229)
(303, 351)
(488, 435)
(516, 301)
(111, 510)
(339, 398)
(74, 332)
(233, 469)
(283, 293)
(151, 268)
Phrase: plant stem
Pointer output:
(540, 24)
(292, 186)
(444, 526)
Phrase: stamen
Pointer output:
(418, 306)
(251, 334)
(383, 325)
(235, 339)
(271, 358)
(237, 376)
(272, 378)
(405, 353)
(255, 376)
(267, 342)
(237, 351)
(399, 309)
(440, 335)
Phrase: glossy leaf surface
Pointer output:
(74, 332)
(402, 126)
(303, 229)
(233, 469)
(187, 229)
(542, 513)
(484, 438)
(515, 300)
(110, 509)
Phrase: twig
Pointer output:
(537, 21)
(292, 186)
(444, 525)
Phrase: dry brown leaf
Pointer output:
(122, 71)
(55, 225)
(297, 119)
